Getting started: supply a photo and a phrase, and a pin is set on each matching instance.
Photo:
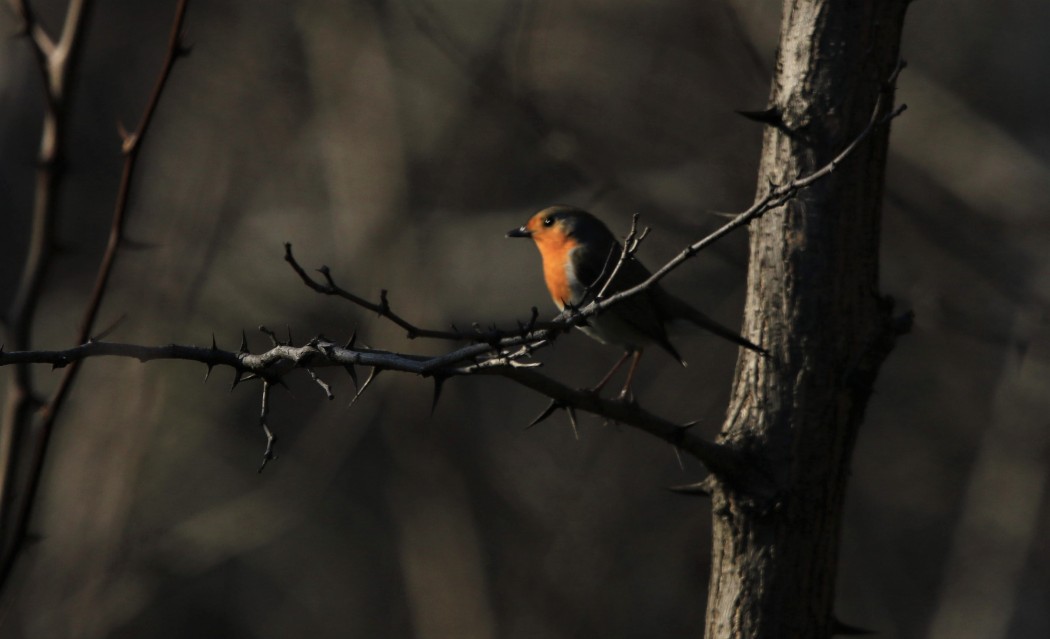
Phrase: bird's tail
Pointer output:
(675, 308)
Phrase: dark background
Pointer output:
(397, 142)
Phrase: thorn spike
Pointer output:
(439, 383)
(547, 412)
(700, 489)
(770, 116)
(572, 420)
(371, 376)
(353, 375)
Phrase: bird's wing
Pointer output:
(641, 311)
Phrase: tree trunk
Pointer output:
(813, 300)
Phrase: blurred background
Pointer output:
(396, 142)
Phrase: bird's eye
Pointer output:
(547, 221)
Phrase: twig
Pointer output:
(61, 57)
(382, 308)
(264, 412)
(777, 196)
(631, 242)
(58, 62)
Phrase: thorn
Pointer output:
(547, 412)
(439, 383)
(353, 375)
(350, 342)
(688, 425)
(572, 420)
(700, 488)
(770, 116)
(207, 373)
(678, 456)
(237, 373)
(371, 376)
(214, 347)
(244, 343)
(289, 329)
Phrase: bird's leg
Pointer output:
(625, 394)
(605, 380)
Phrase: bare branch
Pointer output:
(264, 412)
(329, 287)
(272, 365)
(57, 62)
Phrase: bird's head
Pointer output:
(562, 225)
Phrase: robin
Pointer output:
(579, 255)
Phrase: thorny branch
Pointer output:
(272, 365)
(492, 352)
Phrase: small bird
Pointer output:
(579, 255)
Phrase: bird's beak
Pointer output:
(521, 231)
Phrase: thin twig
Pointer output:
(63, 57)
(631, 242)
(58, 61)
(382, 308)
(264, 412)
(777, 196)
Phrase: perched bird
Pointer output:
(579, 255)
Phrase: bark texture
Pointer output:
(814, 302)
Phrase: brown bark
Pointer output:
(814, 302)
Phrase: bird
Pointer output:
(579, 254)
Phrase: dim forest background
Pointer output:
(397, 142)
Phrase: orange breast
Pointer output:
(555, 250)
